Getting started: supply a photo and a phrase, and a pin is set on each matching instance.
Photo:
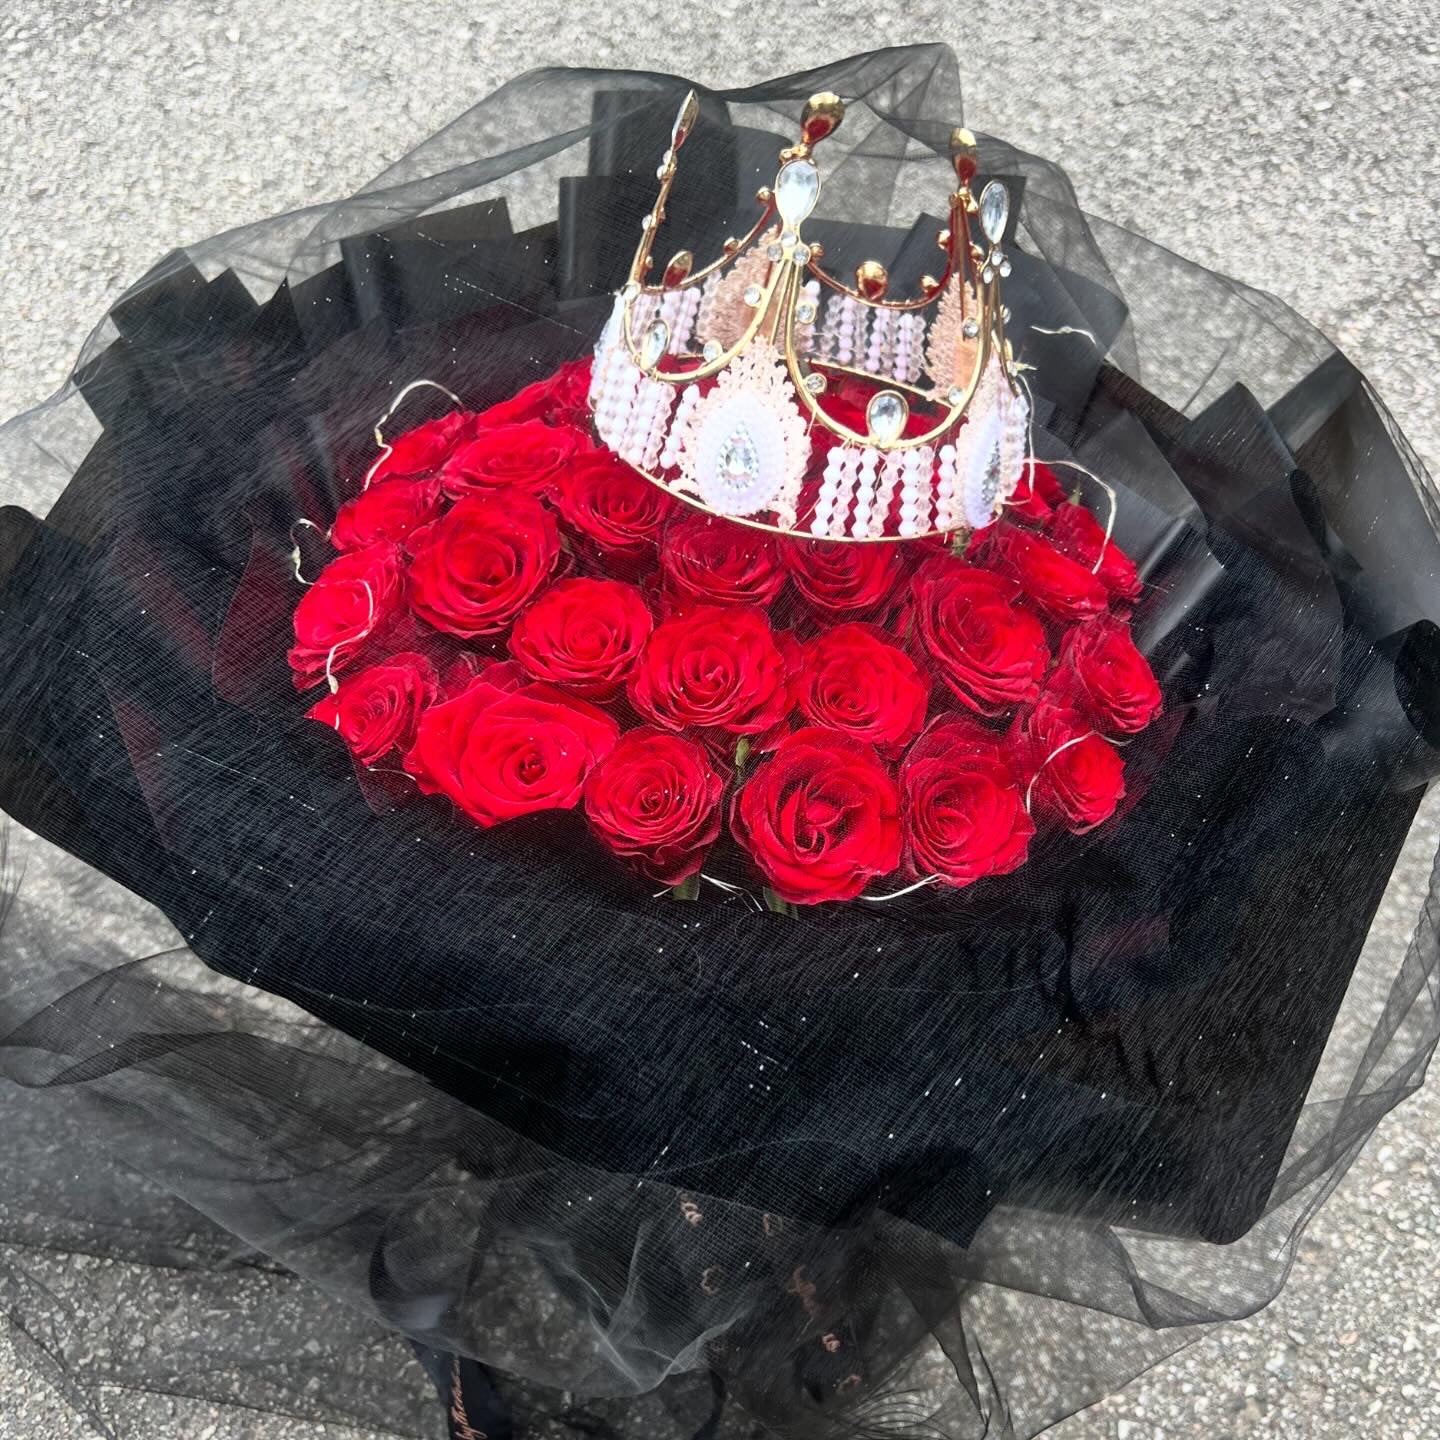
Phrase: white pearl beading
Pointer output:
(673, 453)
(948, 512)
(916, 497)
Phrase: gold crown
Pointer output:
(713, 382)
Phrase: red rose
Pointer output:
(385, 512)
(528, 456)
(560, 399)
(1075, 532)
(1058, 586)
(604, 501)
(475, 568)
(423, 450)
(991, 654)
(468, 667)
(583, 635)
(842, 580)
(965, 814)
(499, 753)
(718, 666)
(655, 799)
(352, 598)
(851, 679)
(377, 709)
(820, 817)
(1105, 676)
(709, 561)
(1037, 494)
(1077, 776)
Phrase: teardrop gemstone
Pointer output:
(885, 416)
(797, 188)
(653, 346)
(994, 211)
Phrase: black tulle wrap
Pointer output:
(956, 1164)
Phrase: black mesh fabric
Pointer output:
(956, 1165)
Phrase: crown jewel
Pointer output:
(720, 383)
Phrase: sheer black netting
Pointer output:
(630, 1165)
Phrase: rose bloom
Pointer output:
(991, 654)
(602, 500)
(1102, 674)
(385, 512)
(718, 667)
(1055, 584)
(853, 679)
(423, 450)
(352, 598)
(964, 810)
(1075, 532)
(820, 817)
(559, 399)
(1037, 494)
(499, 754)
(706, 560)
(477, 567)
(655, 801)
(841, 580)
(1078, 777)
(585, 636)
(462, 672)
(377, 709)
(528, 456)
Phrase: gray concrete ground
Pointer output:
(1293, 146)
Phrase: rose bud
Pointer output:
(529, 456)
(385, 512)
(377, 709)
(1053, 583)
(706, 560)
(604, 502)
(477, 567)
(1075, 532)
(1075, 775)
(499, 754)
(852, 679)
(820, 817)
(991, 654)
(583, 635)
(717, 667)
(842, 580)
(1105, 677)
(426, 448)
(964, 809)
(353, 597)
(655, 801)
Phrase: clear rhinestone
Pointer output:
(712, 351)
(653, 346)
(815, 383)
(797, 188)
(647, 222)
(739, 461)
(987, 275)
(773, 250)
(956, 396)
(805, 312)
(1004, 269)
(886, 415)
(994, 211)
(970, 329)
(788, 238)
(801, 254)
(661, 169)
(752, 294)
